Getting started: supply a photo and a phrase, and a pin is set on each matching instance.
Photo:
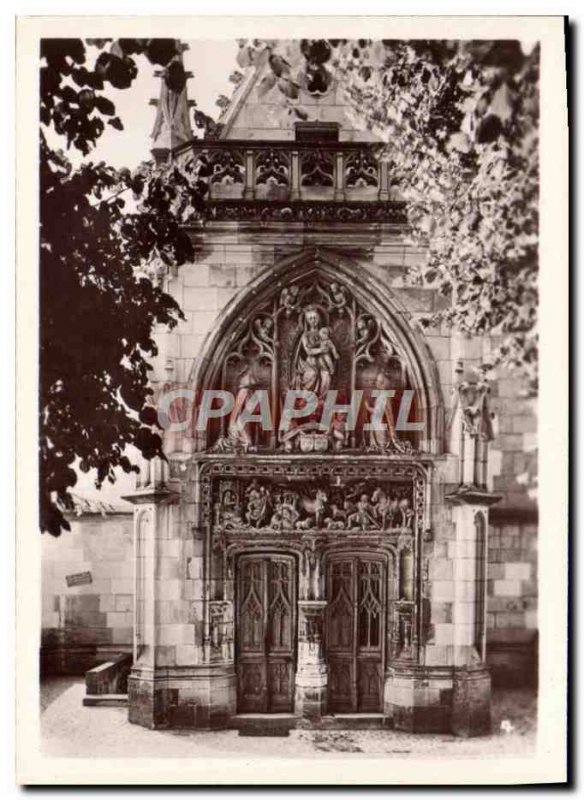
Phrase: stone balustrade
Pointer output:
(289, 172)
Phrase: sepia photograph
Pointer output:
(286, 499)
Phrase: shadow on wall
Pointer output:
(87, 594)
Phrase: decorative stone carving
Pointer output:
(268, 506)
(317, 168)
(220, 624)
(471, 425)
(316, 355)
(156, 270)
(272, 167)
(361, 169)
(472, 390)
(172, 125)
(311, 621)
(311, 336)
(254, 211)
(227, 166)
(404, 636)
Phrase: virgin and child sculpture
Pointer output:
(317, 356)
(315, 346)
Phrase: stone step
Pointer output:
(354, 722)
(105, 700)
(281, 724)
(264, 724)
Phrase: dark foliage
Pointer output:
(97, 307)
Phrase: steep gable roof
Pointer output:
(257, 113)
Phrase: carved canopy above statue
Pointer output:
(317, 324)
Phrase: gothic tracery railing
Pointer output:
(285, 171)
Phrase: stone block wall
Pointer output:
(512, 605)
(512, 571)
(85, 624)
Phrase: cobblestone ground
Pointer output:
(69, 729)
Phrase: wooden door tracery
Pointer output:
(356, 631)
(266, 633)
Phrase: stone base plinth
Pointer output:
(471, 702)
(311, 672)
(439, 700)
(420, 698)
(182, 697)
(311, 691)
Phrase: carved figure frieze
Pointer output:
(262, 506)
(252, 211)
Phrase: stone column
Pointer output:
(159, 627)
(471, 694)
(295, 176)
(182, 675)
(339, 176)
(249, 190)
(311, 673)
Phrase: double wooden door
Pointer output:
(266, 633)
(355, 635)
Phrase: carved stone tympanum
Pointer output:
(313, 337)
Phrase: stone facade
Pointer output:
(452, 586)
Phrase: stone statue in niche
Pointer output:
(473, 392)
(239, 437)
(314, 363)
(383, 438)
(406, 632)
(364, 330)
(329, 354)
(379, 438)
(220, 624)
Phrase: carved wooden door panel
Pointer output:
(355, 637)
(266, 632)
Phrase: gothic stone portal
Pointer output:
(311, 577)
(314, 535)
(318, 559)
